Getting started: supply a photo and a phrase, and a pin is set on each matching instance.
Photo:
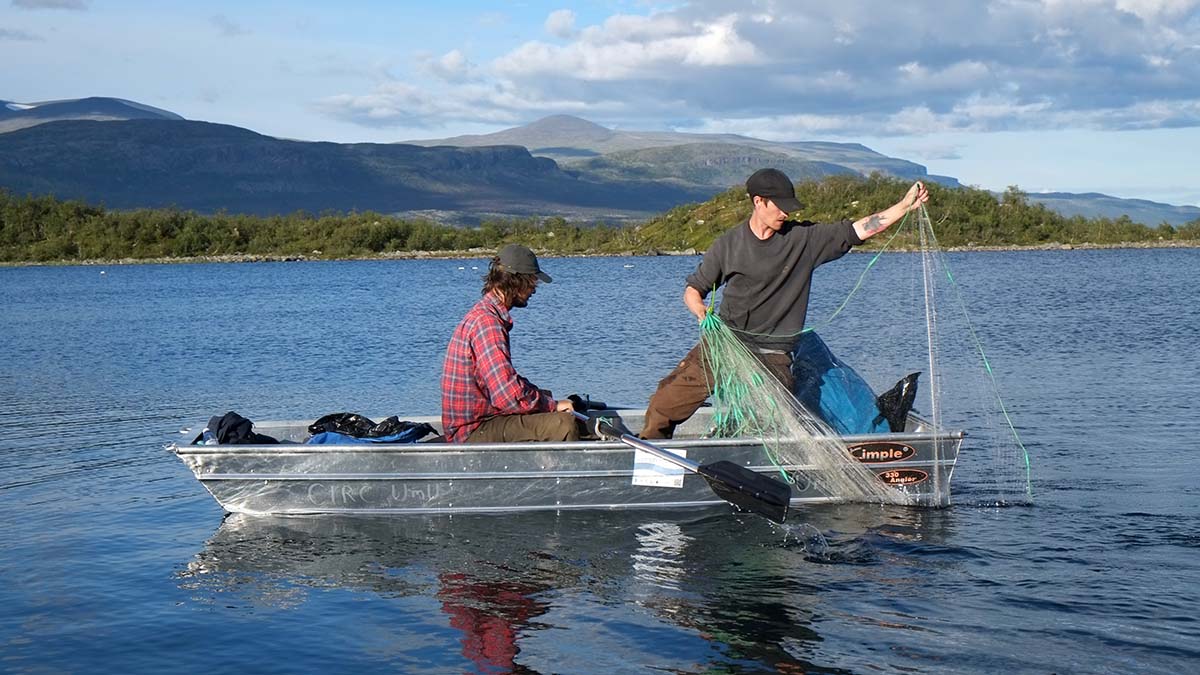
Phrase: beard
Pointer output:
(522, 299)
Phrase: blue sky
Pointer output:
(1070, 95)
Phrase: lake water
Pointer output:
(115, 559)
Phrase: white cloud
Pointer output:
(452, 66)
(1150, 10)
(978, 112)
(633, 47)
(849, 68)
(976, 115)
(561, 23)
(402, 104)
(959, 76)
(720, 45)
(780, 127)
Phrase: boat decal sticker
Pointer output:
(903, 476)
(878, 452)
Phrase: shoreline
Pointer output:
(486, 253)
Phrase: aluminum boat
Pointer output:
(293, 478)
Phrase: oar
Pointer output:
(745, 489)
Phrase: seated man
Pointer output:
(484, 399)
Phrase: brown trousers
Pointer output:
(682, 392)
(551, 426)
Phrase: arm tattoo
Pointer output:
(874, 225)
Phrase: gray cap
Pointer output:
(519, 259)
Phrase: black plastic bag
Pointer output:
(401, 429)
(350, 424)
(895, 403)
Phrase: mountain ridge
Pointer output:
(211, 167)
(560, 164)
(572, 141)
(1100, 205)
(14, 115)
(625, 154)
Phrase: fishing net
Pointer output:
(963, 391)
(749, 401)
(905, 313)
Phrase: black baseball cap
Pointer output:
(776, 186)
(520, 260)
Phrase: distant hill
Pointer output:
(702, 165)
(584, 146)
(129, 155)
(1096, 205)
(557, 130)
(15, 116)
(211, 167)
(720, 161)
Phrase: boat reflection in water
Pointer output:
(603, 592)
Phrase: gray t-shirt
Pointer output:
(767, 281)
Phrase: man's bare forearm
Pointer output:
(875, 223)
(878, 222)
(694, 302)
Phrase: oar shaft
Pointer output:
(681, 462)
(639, 444)
(738, 485)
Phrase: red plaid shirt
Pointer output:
(478, 378)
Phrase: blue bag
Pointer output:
(833, 391)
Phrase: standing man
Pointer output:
(484, 399)
(766, 265)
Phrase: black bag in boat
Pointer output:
(895, 403)
(391, 430)
(349, 424)
(233, 429)
(402, 430)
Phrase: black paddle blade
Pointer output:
(747, 490)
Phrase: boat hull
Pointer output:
(297, 479)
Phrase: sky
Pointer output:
(1048, 95)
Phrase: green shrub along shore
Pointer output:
(40, 230)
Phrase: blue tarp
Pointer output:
(334, 438)
(833, 391)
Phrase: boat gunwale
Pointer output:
(474, 448)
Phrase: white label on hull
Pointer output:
(649, 470)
